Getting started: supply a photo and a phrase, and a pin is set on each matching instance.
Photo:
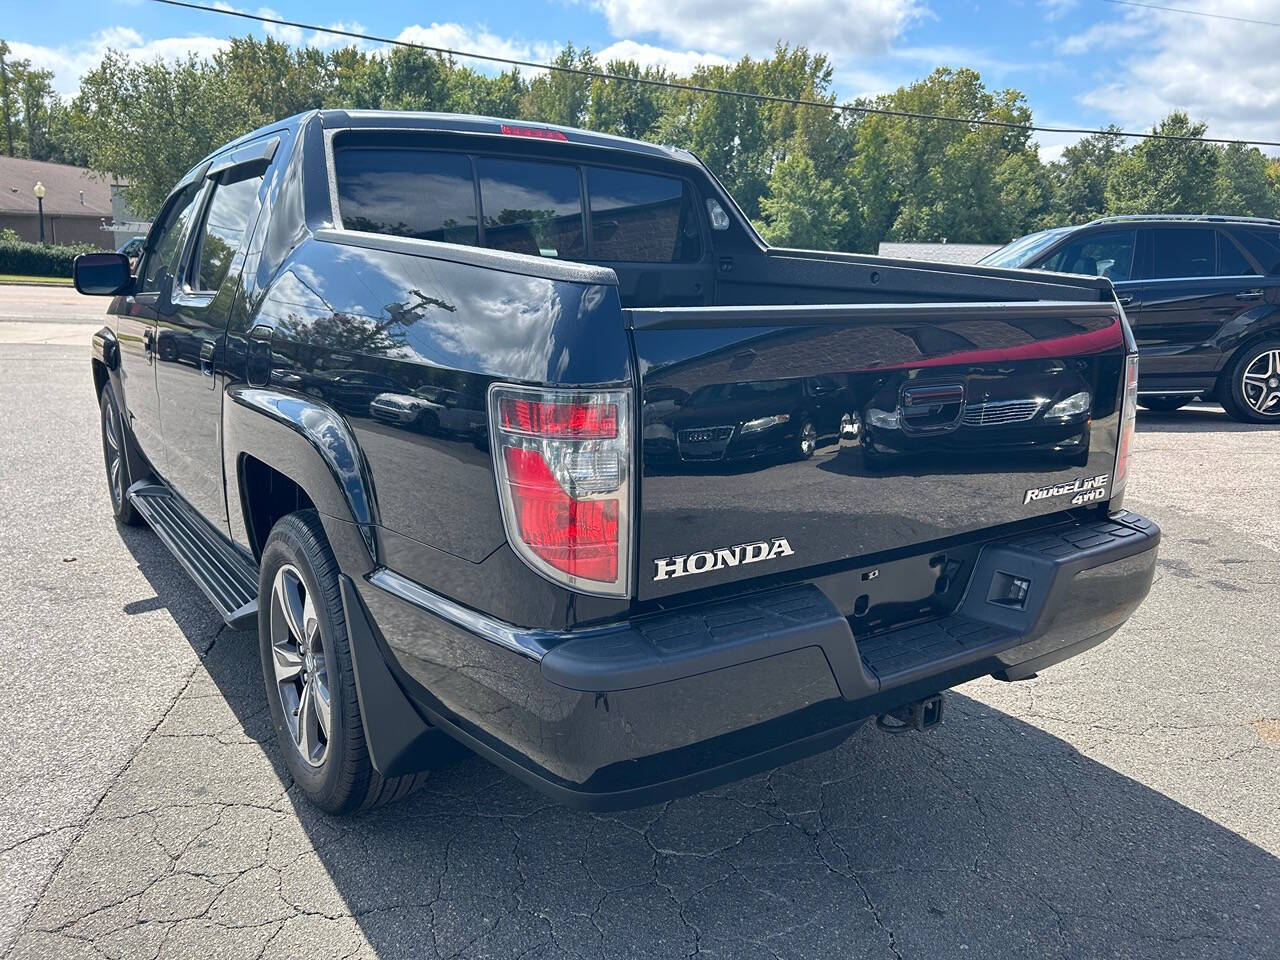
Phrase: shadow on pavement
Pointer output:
(988, 837)
(1197, 418)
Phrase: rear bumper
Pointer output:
(685, 700)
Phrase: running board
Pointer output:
(227, 577)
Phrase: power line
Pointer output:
(1195, 13)
(711, 91)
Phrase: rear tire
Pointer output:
(306, 665)
(1250, 392)
(115, 456)
(1163, 403)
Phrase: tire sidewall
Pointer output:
(321, 783)
(108, 407)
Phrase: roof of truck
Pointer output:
(493, 126)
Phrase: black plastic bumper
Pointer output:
(685, 700)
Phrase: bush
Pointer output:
(35, 260)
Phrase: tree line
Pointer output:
(807, 176)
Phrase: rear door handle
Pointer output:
(1124, 299)
(206, 358)
(1249, 295)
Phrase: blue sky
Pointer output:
(1080, 62)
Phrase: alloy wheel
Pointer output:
(301, 665)
(1260, 383)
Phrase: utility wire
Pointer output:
(712, 91)
(1195, 13)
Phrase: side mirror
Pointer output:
(102, 274)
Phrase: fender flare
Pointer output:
(305, 440)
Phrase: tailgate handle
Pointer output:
(933, 394)
(932, 406)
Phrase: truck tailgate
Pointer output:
(784, 437)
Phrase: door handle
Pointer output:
(1124, 299)
(149, 343)
(206, 358)
(1249, 295)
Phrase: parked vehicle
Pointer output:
(523, 572)
(1202, 294)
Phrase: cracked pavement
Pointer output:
(1123, 804)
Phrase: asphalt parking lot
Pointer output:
(1125, 804)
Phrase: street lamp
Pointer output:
(38, 190)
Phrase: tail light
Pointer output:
(563, 461)
(1128, 422)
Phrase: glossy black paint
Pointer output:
(1188, 329)
(905, 474)
(353, 368)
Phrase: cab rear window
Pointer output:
(422, 194)
(534, 207)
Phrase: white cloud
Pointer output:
(677, 61)
(1222, 72)
(456, 36)
(835, 27)
(70, 62)
(1053, 9)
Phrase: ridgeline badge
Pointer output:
(721, 557)
(1083, 489)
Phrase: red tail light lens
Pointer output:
(577, 421)
(1128, 424)
(577, 537)
(563, 463)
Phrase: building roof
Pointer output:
(64, 187)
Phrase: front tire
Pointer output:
(1251, 392)
(115, 456)
(1163, 403)
(306, 665)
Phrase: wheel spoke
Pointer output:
(288, 592)
(305, 719)
(321, 706)
(287, 661)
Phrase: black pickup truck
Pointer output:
(519, 437)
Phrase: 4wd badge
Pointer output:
(1081, 489)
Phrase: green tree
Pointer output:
(1241, 185)
(559, 97)
(149, 123)
(1165, 176)
(929, 179)
(624, 108)
(1080, 178)
(802, 208)
(742, 140)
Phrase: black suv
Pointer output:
(1202, 294)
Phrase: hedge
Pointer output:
(36, 260)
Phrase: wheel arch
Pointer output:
(285, 450)
(1255, 337)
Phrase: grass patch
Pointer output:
(47, 281)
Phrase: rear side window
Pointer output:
(641, 217)
(225, 225)
(1097, 255)
(1264, 246)
(162, 260)
(1231, 262)
(1182, 252)
(531, 207)
(407, 193)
